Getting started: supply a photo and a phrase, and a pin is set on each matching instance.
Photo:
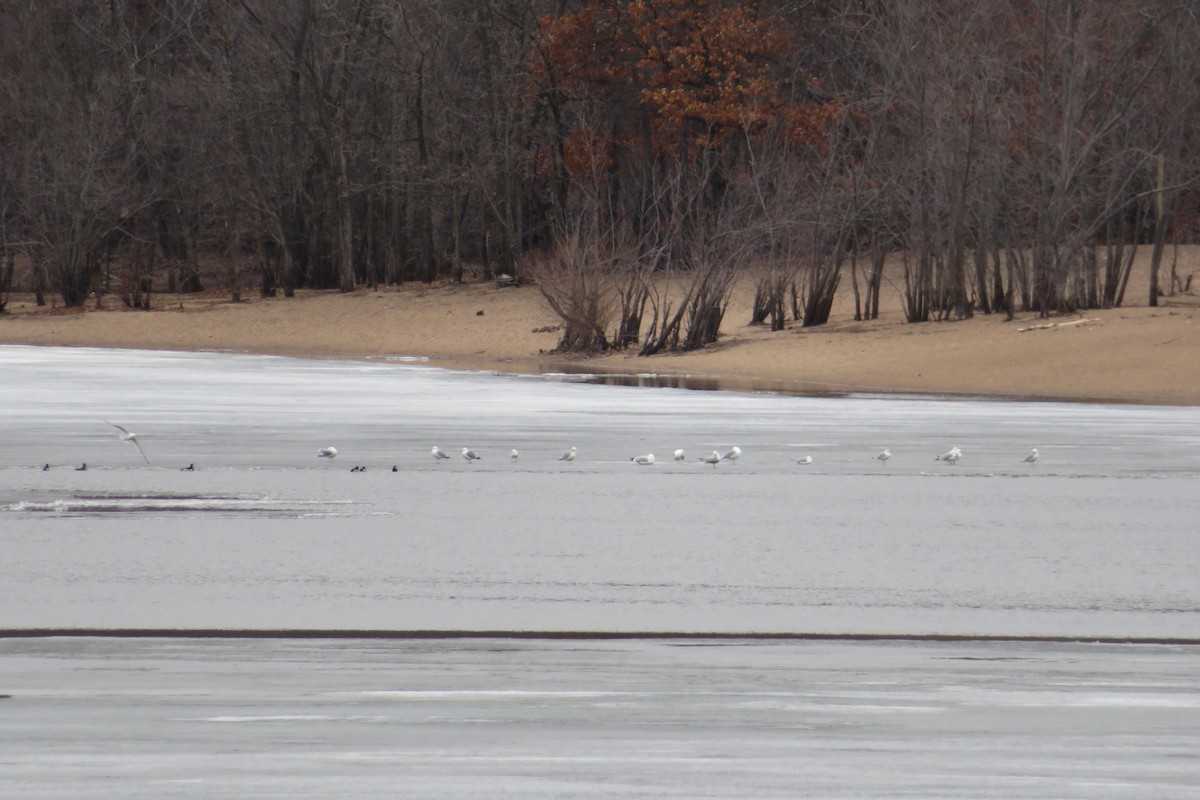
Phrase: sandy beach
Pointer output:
(1130, 354)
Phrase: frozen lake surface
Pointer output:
(221, 718)
(1098, 539)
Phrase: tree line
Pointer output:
(635, 157)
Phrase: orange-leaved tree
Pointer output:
(653, 105)
(667, 78)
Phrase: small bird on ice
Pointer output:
(513, 455)
(678, 455)
(884, 456)
(732, 454)
(805, 460)
(438, 453)
(568, 456)
(647, 459)
(1032, 457)
(714, 458)
(470, 455)
(952, 455)
(127, 436)
(327, 452)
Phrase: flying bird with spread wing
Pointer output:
(129, 437)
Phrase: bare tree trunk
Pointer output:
(1161, 226)
(7, 263)
(345, 221)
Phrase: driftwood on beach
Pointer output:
(1052, 325)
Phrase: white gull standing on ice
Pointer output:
(327, 452)
(951, 456)
(1032, 457)
(646, 460)
(470, 455)
(568, 456)
(438, 453)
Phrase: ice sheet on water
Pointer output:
(219, 718)
(223, 410)
(1097, 538)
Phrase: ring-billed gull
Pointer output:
(327, 452)
(647, 459)
(952, 455)
(884, 456)
(470, 455)
(131, 438)
(513, 455)
(1032, 457)
(732, 454)
(678, 456)
(568, 456)
(438, 453)
(805, 460)
(713, 458)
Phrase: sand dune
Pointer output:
(1134, 354)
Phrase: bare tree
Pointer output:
(572, 279)
(77, 164)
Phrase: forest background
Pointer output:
(636, 159)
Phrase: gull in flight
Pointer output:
(884, 456)
(1032, 457)
(470, 455)
(732, 454)
(327, 452)
(568, 456)
(126, 436)
(513, 455)
(647, 459)
(678, 456)
(952, 455)
(805, 460)
(438, 453)
(714, 458)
